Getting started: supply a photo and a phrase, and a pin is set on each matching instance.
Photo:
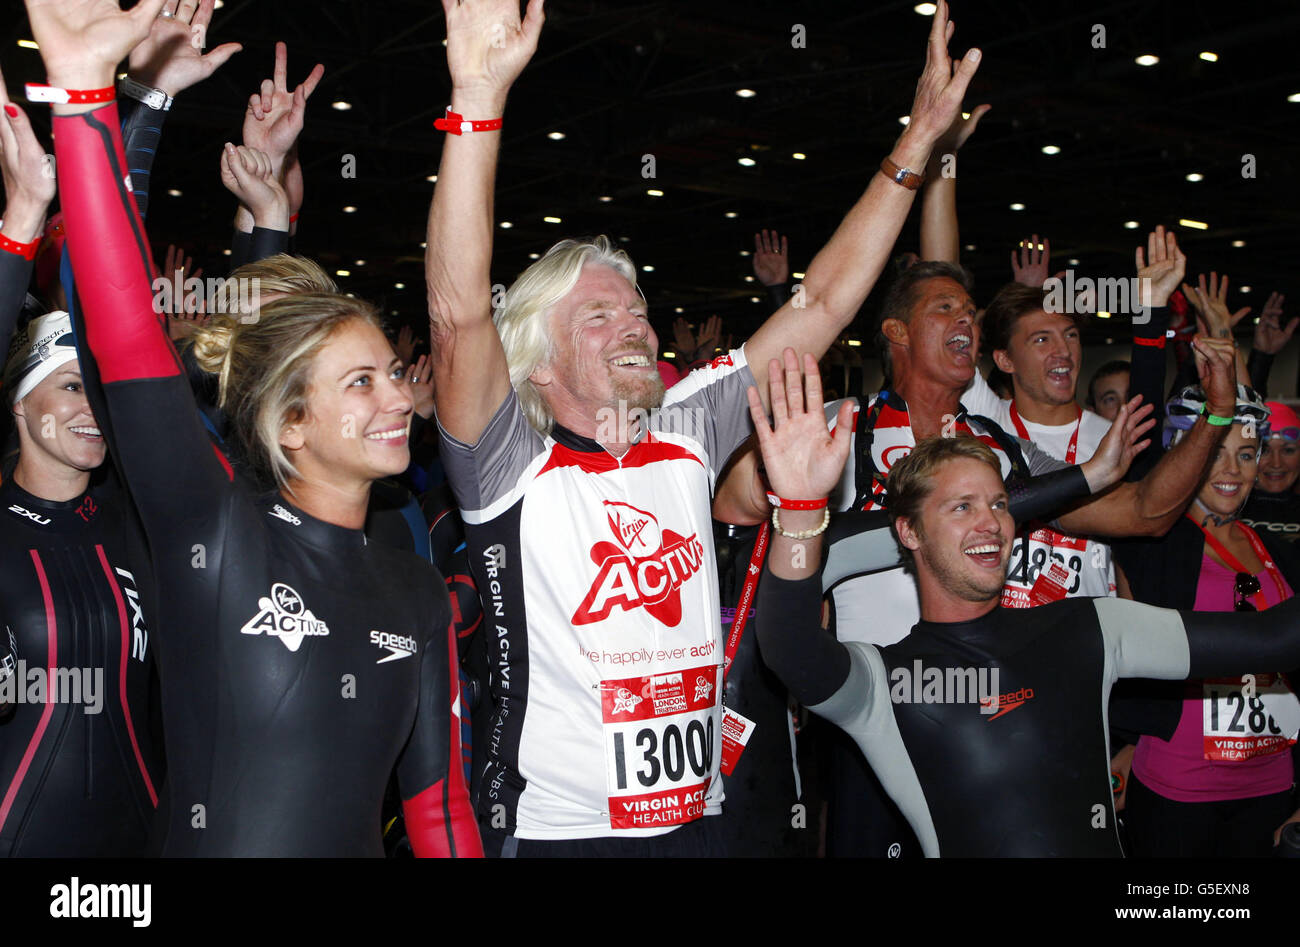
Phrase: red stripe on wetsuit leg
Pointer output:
(440, 821)
(121, 674)
(109, 249)
(51, 659)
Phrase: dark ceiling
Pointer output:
(627, 79)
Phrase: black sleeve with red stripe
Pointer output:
(165, 453)
(15, 274)
(1147, 378)
(435, 800)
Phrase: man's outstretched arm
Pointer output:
(487, 47)
(844, 272)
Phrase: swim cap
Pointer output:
(41, 348)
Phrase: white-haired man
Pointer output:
(589, 529)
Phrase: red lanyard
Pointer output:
(1070, 451)
(746, 597)
(1231, 561)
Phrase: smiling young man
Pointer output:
(945, 751)
(589, 528)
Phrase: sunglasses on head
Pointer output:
(1247, 585)
(1286, 433)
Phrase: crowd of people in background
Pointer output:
(543, 591)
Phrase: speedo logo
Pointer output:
(1005, 703)
(34, 517)
(284, 615)
(398, 646)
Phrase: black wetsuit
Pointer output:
(1027, 774)
(79, 770)
(301, 662)
(1273, 514)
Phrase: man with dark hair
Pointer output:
(1109, 388)
(978, 698)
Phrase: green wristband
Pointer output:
(1214, 418)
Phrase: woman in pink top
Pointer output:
(1222, 785)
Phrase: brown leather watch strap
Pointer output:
(905, 177)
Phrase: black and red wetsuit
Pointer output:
(79, 769)
(301, 663)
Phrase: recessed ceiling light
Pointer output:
(648, 268)
(1293, 97)
(655, 192)
(853, 342)
(226, 252)
(754, 299)
(505, 225)
(551, 220)
(1244, 289)
(925, 9)
(1051, 149)
(729, 214)
(1210, 57)
(749, 279)
(744, 253)
(1073, 261)
(1146, 59)
(340, 105)
(970, 246)
(670, 354)
(359, 263)
(1193, 224)
(349, 209)
(342, 272)
(1131, 225)
(173, 193)
(1017, 206)
(798, 156)
(679, 309)
(432, 179)
(28, 44)
(1239, 243)
(746, 93)
(904, 119)
(797, 275)
(604, 198)
(1103, 314)
(555, 136)
(745, 162)
(399, 286)
(1195, 176)
(534, 256)
(423, 245)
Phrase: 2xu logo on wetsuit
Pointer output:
(284, 615)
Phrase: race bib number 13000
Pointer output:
(661, 736)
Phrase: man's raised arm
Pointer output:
(487, 47)
(843, 273)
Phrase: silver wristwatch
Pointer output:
(156, 99)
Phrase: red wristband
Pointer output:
(456, 124)
(293, 218)
(783, 504)
(1154, 343)
(48, 93)
(25, 250)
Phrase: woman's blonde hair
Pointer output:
(522, 319)
(264, 368)
(279, 275)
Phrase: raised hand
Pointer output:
(1029, 265)
(171, 57)
(420, 376)
(1216, 368)
(1270, 337)
(405, 345)
(683, 339)
(82, 41)
(249, 175)
(1160, 272)
(275, 115)
(950, 141)
(1121, 445)
(803, 459)
(28, 178)
(709, 337)
(487, 43)
(1211, 306)
(942, 85)
(771, 258)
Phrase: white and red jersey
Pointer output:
(601, 611)
(1091, 562)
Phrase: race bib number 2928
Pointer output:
(661, 740)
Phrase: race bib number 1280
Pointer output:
(661, 736)
(1239, 725)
